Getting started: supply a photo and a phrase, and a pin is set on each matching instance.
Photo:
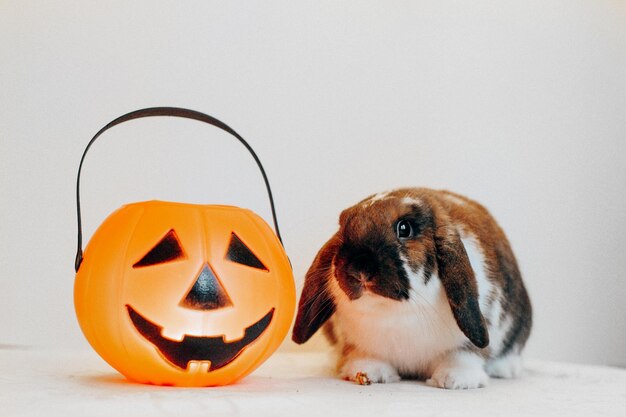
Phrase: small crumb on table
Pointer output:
(362, 379)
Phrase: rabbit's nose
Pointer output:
(359, 277)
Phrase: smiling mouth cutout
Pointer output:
(198, 348)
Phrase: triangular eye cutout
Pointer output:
(168, 249)
(238, 252)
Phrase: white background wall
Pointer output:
(519, 104)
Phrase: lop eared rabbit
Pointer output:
(421, 284)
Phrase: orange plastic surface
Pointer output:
(107, 284)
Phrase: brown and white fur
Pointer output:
(421, 284)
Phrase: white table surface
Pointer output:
(35, 382)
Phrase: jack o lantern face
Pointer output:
(207, 293)
(180, 294)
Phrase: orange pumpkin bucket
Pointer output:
(183, 294)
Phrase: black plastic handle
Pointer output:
(174, 112)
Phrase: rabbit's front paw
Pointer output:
(367, 371)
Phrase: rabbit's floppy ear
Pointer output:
(316, 303)
(458, 280)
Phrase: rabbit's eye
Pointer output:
(405, 230)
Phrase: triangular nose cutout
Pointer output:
(207, 293)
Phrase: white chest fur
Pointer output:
(410, 335)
